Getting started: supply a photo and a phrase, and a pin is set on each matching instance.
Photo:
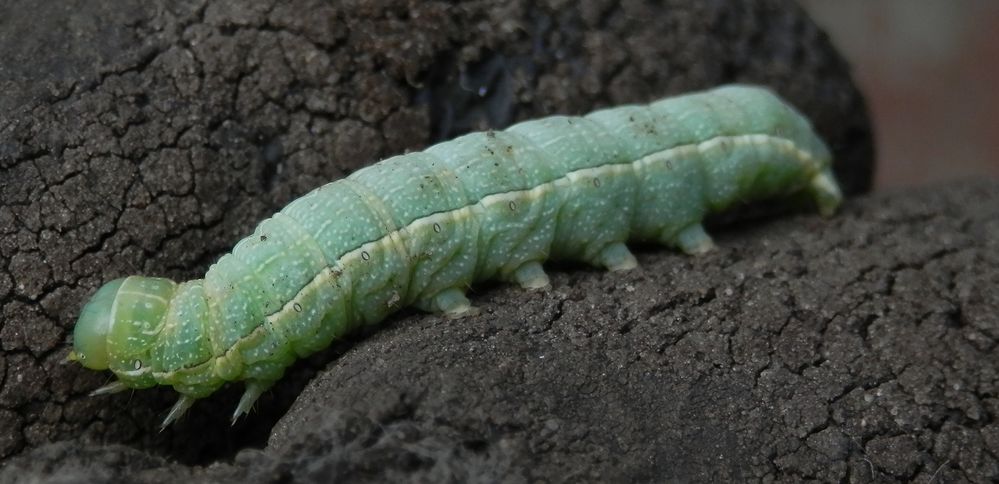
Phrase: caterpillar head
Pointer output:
(119, 325)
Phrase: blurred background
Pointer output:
(930, 72)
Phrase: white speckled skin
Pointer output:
(420, 228)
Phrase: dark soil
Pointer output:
(138, 137)
(860, 348)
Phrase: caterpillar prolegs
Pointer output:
(420, 228)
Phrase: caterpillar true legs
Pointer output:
(419, 229)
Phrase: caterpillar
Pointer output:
(420, 228)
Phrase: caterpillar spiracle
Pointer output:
(420, 228)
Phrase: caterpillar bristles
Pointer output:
(178, 411)
(250, 396)
(113, 387)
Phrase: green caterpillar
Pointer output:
(418, 229)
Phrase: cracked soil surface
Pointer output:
(141, 137)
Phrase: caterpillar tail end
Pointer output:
(178, 411)
(826, 192)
